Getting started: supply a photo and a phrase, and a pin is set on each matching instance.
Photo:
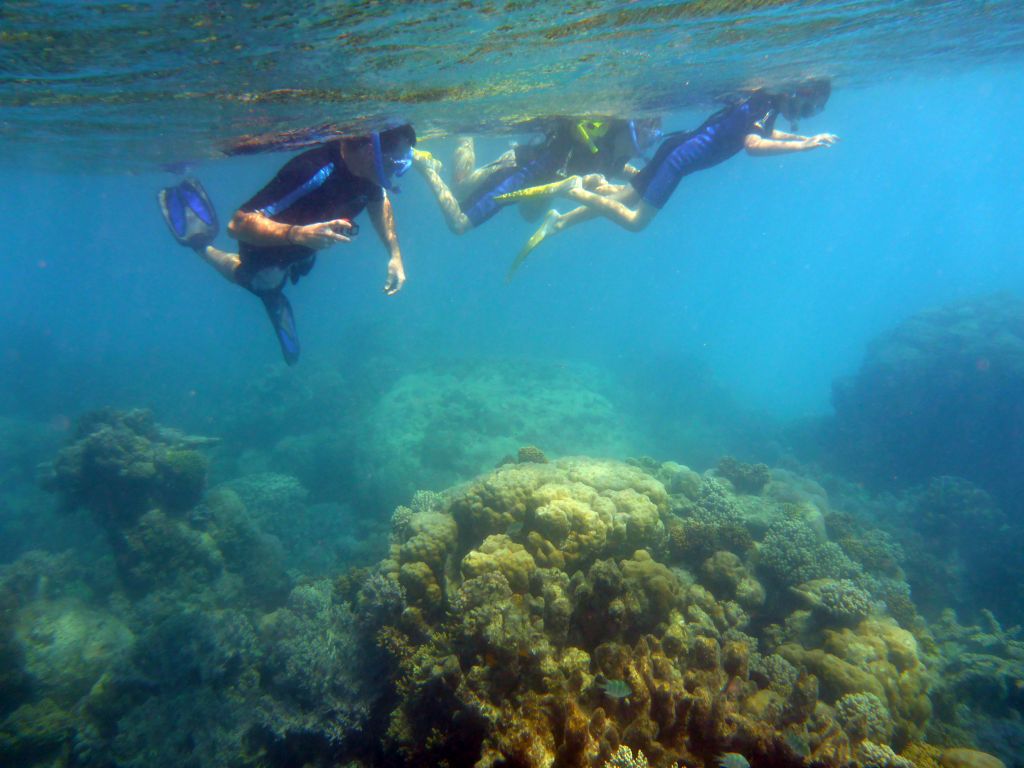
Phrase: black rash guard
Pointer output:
(312, 187)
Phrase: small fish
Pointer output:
(617, 689)
(732, 760)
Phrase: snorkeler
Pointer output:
(748, 124)
(570, 146)
(308, 206)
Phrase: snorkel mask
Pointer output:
(643, 133)
(807, 99)
(389, 166)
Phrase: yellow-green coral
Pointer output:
(499, 554)
(428, 538)
(531, 454)
(66, 646)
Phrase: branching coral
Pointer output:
(313, 687)
(864, 716)
(792, 553)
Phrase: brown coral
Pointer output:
(547, 627)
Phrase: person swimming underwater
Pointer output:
(748, 124)
(571, 146)
(308, 206)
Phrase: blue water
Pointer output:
(772, 272)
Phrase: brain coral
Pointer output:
(864, 716)
(568, 512)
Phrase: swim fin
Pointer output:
(279, 310)
(538, 237)
(542, 190)
(189, 213)
(423, 160)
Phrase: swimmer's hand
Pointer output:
(820, 140)
(396, 276)
(321, 234)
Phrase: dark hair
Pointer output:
(805, 98)
(392, 138)
(815, 91)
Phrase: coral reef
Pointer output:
(939, 395)
(841, 601)
(445, 424)
(554, 619)
(137, 479)
(119, 465)
(864, 716)
(310, 684)
(745, 478)
(569, 612)
(793, 552)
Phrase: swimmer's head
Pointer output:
(805, 99)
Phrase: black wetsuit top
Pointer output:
(720, 137)
(311, 187)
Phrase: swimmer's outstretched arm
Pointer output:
(787, 136)
(758, 145)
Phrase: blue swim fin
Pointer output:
(279, 310)
(189, 214)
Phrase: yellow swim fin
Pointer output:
(542, 190)
(424, 159)
(536, 239)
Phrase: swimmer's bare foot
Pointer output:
(507, 159)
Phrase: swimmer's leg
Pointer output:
(467, 177)
(465, 160)
(224, 262)
(549, 227)
(616, 207)
(428, 167)
(279, 310)
(625, 208)
(189, 213)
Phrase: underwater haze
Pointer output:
(744, 486)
